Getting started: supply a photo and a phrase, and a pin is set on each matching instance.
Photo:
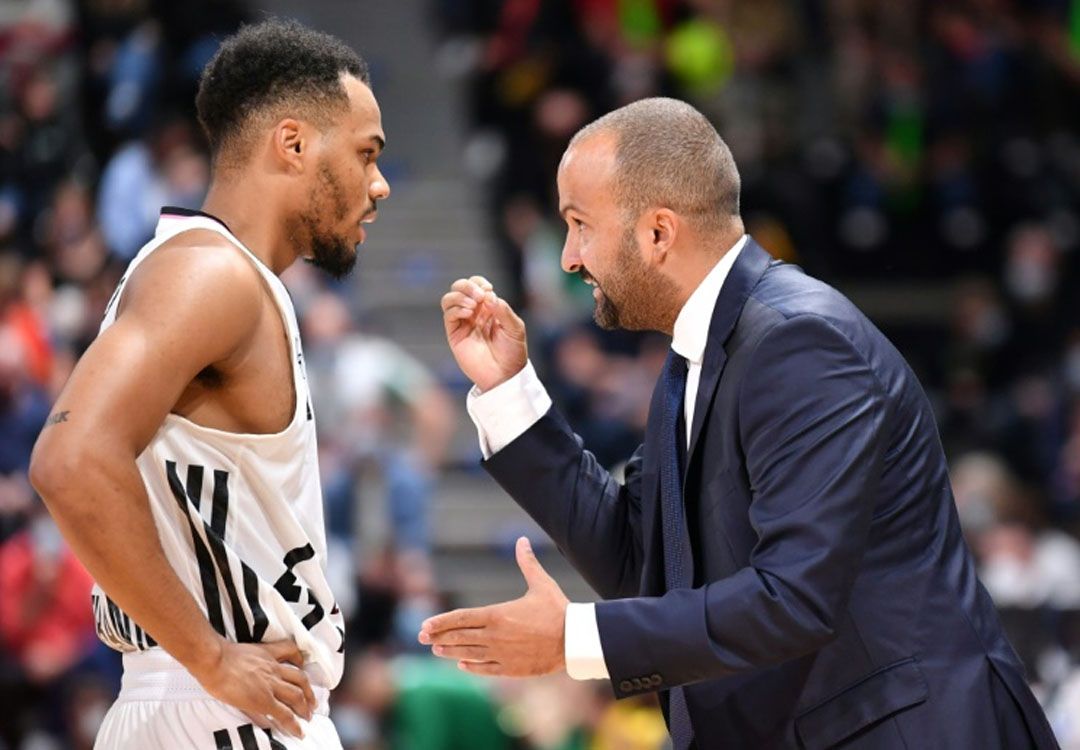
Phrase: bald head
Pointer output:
(667, 154)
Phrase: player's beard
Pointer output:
(632, 297)
(329, 207)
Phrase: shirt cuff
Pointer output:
(584, 654)
(502, 414)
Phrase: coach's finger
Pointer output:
(455, 312)
(509, 319)
(475, 653)
(458, 618)
(469, 288)
(452, 300)
(481, 282)
(460, 637)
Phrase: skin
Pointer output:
(198, 305)
(644, 269)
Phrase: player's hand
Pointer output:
(265, 681)
(521, 638)
(485, 335)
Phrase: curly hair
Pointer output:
(273, 67)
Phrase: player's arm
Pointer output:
(185, 308)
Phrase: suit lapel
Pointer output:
(743, 277)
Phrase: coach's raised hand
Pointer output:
(485, 334)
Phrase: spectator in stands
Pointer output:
(167, 168)
(362, 384)
(46, 627)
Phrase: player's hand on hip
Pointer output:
(265, 681)
(485, 335)
(521, 638)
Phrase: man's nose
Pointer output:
(379, 189)
(571, 260)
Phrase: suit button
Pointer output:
(637, 683)
(626, 686)
(655, 680)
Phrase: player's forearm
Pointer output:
(101, 507)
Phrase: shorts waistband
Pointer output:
(154, 675)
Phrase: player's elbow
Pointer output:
(56, 467)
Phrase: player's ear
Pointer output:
(290, 144)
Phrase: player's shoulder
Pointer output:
(203, 255)
(199, 268)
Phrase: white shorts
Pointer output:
(162, 707)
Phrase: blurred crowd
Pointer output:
(928, 152)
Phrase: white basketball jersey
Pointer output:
(240, 516)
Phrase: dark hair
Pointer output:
(667, 153)
(267, 66)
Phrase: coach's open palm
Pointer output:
(519, 638)
(485, 335)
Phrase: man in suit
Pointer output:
(783, 561)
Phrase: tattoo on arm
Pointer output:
(58, 417)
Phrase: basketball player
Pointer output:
(180, 460)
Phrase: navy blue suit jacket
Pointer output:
(835, 601)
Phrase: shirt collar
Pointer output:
(692, 326)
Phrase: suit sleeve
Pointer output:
(594, 519)
(811, 415)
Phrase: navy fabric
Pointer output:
(834, 602)
(678, 558)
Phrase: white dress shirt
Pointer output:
(505, 412)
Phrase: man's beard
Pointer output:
(633, 298)
(332, 253)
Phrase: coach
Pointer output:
(783, 561)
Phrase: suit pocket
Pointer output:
(877, 696)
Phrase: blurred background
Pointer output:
(923, 157)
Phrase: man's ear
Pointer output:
(663, 227)
(290, 144)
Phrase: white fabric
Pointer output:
(692, 326)
(162, 707)
(583, 652)
(265, 487)
(504, 413)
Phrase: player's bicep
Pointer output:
(123, 386)
(180, 315)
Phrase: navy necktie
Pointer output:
(678, 558)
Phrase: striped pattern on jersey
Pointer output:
(115, 629)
